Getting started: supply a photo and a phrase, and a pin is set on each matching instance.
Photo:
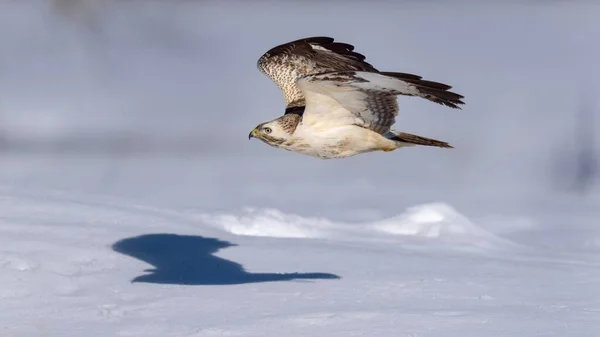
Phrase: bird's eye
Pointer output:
(267, 130)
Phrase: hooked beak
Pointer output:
(252, 133)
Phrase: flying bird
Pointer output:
(337, 104)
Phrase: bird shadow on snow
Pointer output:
(189, 260)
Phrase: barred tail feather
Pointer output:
(410, 139)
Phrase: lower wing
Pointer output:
(367, 99)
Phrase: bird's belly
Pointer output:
(346, 142)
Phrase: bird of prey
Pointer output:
(337, 104)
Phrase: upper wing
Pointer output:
(364, 98)
(285, 63)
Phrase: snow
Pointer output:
(132, 203)
(433, 221)
(74, 264)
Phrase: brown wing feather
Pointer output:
(433, 91)
(285, 63)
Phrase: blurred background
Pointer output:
(153, 101)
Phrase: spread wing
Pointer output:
(285, 63)
(366, 99)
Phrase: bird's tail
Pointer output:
(407, 139)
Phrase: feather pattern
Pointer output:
(364, 98)
(285, 63)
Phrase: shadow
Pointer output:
(189, 260)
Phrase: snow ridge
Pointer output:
(437, 222)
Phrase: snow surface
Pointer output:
(76, 265)
(132, 203)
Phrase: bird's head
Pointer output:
(274, 132)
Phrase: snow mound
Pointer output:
(12, 261)
(434, 222)
(270, 222)
(442, 222)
